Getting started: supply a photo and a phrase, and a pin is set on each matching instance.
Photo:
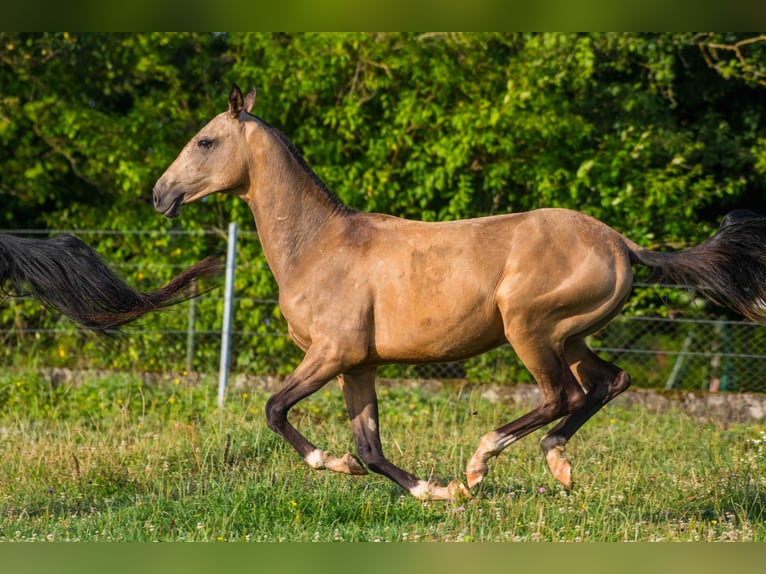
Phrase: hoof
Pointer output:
(475, 475)
(353, 464)
(477, 468)
(347, 464)
(427, 491)
(560, 467)
(458, 490)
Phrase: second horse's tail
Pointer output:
(729, 268)
(70, 277)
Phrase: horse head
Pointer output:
(214, 160)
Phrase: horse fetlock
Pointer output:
(317, 459)
(477, 468)
(552, 441)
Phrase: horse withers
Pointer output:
(359, 290)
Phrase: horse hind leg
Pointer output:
(602, 382)
(560, 392)
(358, 387)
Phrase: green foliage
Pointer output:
(656, 134)
(631, 127)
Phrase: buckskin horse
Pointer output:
(362, 289)
(68, 276)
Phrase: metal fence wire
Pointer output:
(705, 352)
(689, 354)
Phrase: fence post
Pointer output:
(680, 360)
(228, 312)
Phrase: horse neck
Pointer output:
(292, 212)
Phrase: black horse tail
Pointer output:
(729, 268)
(66, 275)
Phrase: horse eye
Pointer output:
(204, 143)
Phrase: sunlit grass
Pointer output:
(114, 458)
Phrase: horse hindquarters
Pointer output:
(583, 287)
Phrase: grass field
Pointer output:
(117, 459)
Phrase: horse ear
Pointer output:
(250, 100)
(236, 102)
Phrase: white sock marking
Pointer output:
(316, 459)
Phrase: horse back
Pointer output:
(439, 291)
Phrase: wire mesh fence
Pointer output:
(707, 354)
(689, 354)
(694, 349)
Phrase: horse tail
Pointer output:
(66, 275)
(729, 268)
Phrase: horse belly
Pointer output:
(421, 330)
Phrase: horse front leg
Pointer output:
(358, 387)
(311, 375)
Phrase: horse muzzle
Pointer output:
(167, 202)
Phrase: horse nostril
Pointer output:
(156, 198)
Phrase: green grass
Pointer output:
(115, 458)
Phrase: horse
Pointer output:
(359, 290)
(68, 276)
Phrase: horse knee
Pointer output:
(276, 414)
